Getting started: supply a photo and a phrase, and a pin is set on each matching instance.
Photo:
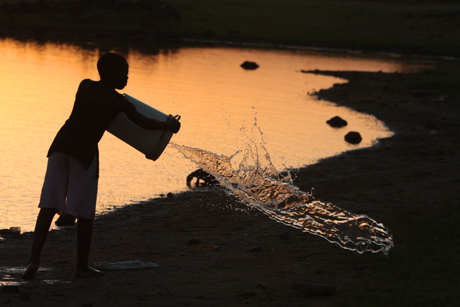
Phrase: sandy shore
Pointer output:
(400, 182)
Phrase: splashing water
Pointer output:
(257, 183)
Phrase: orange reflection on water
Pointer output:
(217, 98)
(219, 103)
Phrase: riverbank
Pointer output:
(408, 182)
(426, 27)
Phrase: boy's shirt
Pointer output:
(94, 109)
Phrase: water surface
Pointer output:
(217, 99)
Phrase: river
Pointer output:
(219, 103)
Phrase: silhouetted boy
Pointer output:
(72, 173)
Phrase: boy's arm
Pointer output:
(170, 124)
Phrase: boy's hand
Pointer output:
(173, 124)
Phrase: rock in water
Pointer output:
(337, 122)
(353, 137)
(249, 65)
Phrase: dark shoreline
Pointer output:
(118, 39)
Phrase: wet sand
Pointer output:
(400, 182)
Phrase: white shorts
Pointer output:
(69, 187)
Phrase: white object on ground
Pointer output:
(124, 265)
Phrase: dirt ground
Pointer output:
(260, 262)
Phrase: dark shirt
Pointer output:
(95, 107)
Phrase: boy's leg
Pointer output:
(52, 197)
(81, 202)
(84, 234)
(42, 226)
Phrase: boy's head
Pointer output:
(113, 68)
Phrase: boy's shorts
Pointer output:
(69, 187)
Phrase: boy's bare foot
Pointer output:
(31, 269)
(89, 272)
